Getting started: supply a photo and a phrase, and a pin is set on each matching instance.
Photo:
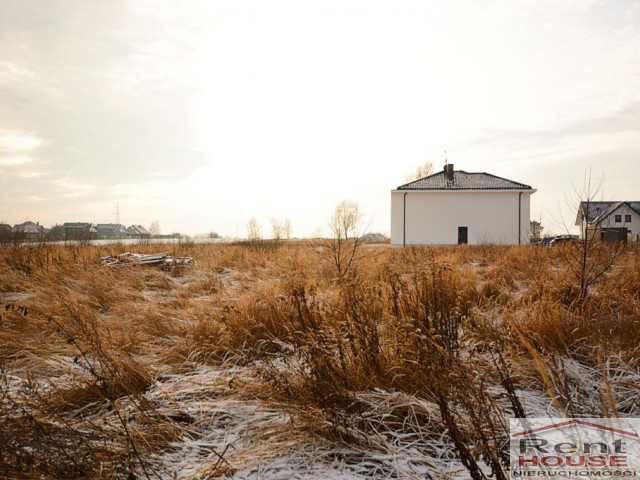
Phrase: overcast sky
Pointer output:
(203, 114)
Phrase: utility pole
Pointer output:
(117, 213)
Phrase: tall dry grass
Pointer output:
(467, 330)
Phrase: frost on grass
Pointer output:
(113, 373)
(227, 433)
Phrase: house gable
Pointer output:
(452, 207)
(79, 231)
(111, 230)
(138, 231)
(29, 228)
(609, 215)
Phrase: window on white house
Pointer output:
(627, 218)
(618, 218)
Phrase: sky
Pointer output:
(201, 115)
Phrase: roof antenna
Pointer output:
(446, 158)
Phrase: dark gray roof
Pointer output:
(111, 229)
(596, 212)
(76, 224)
(464, 181)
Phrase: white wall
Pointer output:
(433, 217)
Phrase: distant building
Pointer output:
(111, 231)
(81, 231)
(452, 207)
(138, 231)
(609, 221)
(5, 233)
(29, 232)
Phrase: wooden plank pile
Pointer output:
(163, 260)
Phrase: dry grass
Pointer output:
(408, 344)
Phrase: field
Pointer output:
(267, 361)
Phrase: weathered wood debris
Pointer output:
(164, 260)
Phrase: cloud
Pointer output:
(18, 141)
(560, 138)
(173, 108)
(13, 160)
(70, 188)
(36, 199)
(110, 96)
(17, 147)
(30, 173)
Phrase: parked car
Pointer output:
(545, 241)
(561, 239)
(557, 240)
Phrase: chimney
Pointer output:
(448, 171)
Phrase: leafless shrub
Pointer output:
(436, 345)
(591, 258)
(343, 247)
(420, 171)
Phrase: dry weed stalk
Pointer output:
(453, 334)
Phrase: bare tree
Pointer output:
(5, 233)
(254, 230)
(342, 247)
(154, 228)
(287, 228)
(420, 171)
(277, 229)
(591, 257)
(536, 230)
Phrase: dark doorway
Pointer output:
(462, 235)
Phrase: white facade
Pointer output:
(622, 217)
(434, 217)
(603, 216)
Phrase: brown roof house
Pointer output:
(29, 232)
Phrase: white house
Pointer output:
(609, 220)
(452, 207)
